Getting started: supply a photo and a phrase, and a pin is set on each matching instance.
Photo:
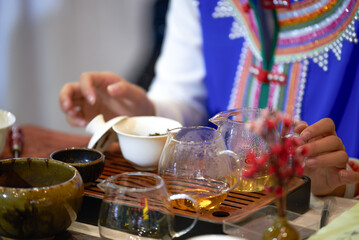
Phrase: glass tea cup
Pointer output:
(195, 161)
(137, 205)
(238, 138)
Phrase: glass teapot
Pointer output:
(195, 161)
(137, 205)
(232, 125)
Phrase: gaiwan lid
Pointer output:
(102, 133)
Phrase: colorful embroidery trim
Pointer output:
(316, 28)
(287, 97)
(307, 37)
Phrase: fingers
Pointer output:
(76, 121)
(326, 144)
(126, 90)
(322, 128)
(325, 148)
(73, 111)
(300, 126)
(337, 159)
(326, 152)
(327, 159)
(69, 93)
(133, 98)
(90, 81)
(105, 93)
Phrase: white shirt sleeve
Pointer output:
(178, 91)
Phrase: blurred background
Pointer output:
(44, 44)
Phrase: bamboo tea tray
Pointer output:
(236, 203)
(41, 142)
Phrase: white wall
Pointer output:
(46, 43)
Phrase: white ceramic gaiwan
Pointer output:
(142, 139)
(102, 132)
(7, 119)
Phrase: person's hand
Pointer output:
(327, 159)
(102, 93)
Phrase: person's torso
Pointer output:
(315, 73)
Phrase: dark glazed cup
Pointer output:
(39, 197)
(89, 162)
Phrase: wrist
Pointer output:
(343, 191)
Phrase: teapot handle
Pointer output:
(186, 230)
(106, 183)
(238, 165)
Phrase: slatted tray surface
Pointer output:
(236, 204)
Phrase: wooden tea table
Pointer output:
(41, 142)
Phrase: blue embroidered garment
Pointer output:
(328, 89)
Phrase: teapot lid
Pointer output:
(103, 134)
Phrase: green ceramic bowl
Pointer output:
(39, 197)
(89, 162)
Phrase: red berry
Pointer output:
(270, 124)
(272, 169)
(278, 191)
(287, 121)
(276, 149)
(250, 158)
(262, 160)
(305, 151)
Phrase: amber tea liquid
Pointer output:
(255, 184)
(207, 192)
(205, 202)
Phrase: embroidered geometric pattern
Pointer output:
(316, 28)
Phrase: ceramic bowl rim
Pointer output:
(75, 172)
(97, 161)
(11, 117)
(164, 135)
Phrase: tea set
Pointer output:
(206, 162)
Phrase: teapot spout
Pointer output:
(218, 119)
